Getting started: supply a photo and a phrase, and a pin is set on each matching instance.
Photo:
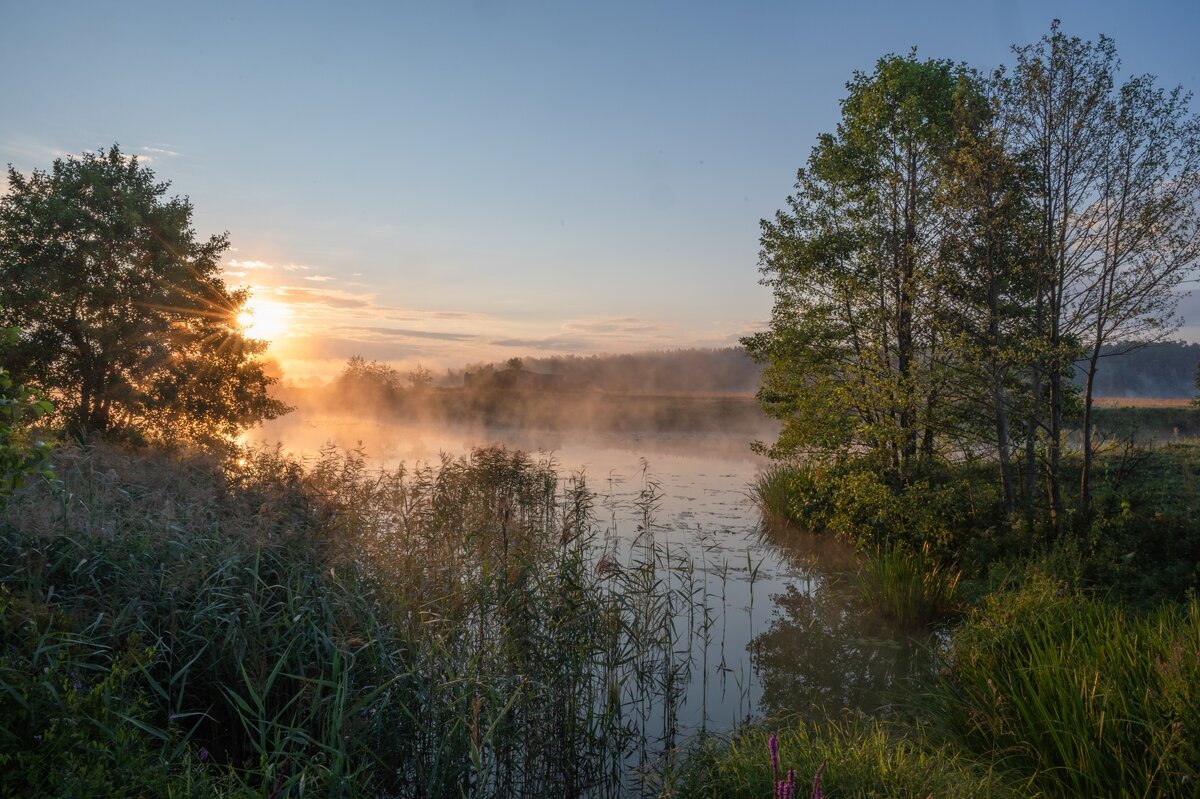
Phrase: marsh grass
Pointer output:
(775, 490)
(908, 585)
(267, 627)
(1086, 698)
(862, 758)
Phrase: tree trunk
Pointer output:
(1002, 441)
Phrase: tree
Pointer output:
(991, 276)
(19, 457)
(855, 357)
(1117, 192)
(362, 382)
(1055, 103)
(959, 245)
(126, 321)
(419, 380)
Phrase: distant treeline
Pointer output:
(689, 371)
(1167, 369)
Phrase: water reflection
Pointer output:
(824, 651)
(778, 627)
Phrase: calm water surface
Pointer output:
(778, 627)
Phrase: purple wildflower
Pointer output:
(773, 745)
(203, 753)
(817, 793)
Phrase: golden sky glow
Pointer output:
(265, 319)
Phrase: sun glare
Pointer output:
(264, 319)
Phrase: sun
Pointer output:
(264, 319)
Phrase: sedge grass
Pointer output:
(1085, 697)
(910, 586)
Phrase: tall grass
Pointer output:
(265, 627)
(908, 585)
(1087, 698)
(861, 758)
(782, 492)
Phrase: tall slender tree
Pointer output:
(1141, 231)
(1057, 102)
(854, 354)
(989, 274)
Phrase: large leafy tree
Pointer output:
(855, 356)
(126, 320)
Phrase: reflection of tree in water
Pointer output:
(825, 652)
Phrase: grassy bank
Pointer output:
(1074, 671)
(1081, 696)
(180, 626)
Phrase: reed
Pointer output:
(268, 627)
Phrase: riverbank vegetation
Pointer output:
(955, 262)
(180, 625)
(181, 616)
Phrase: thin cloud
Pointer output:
(403, 333)
(549, 343)
(620, 325)
(333, 298)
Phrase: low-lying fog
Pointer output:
(786, 630)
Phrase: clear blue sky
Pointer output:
(453, 182)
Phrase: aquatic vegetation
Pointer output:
(285, 628)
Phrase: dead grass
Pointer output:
(1142, 402)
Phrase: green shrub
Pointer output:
(941, 510)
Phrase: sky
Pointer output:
(454, 182)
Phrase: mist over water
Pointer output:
(775, 624)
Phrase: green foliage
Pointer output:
(1142, 543)
(935, 281)
(77, 718)
(858, 267)
(126, 322)
(1082, 697)
(857, 502)
(19, 405)
(862, 759)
